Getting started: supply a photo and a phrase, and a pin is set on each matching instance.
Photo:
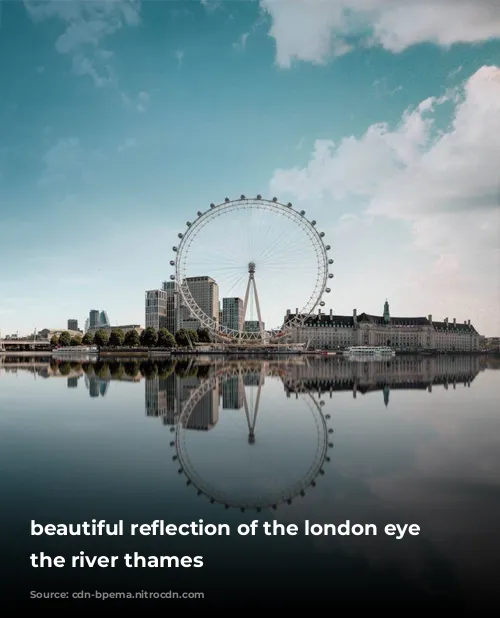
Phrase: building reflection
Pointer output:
(166, 397)
(96, 386)
(401, 372)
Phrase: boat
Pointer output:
(76, 350)
(365, 352)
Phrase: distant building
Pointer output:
(205, 293)
(232, 313)
(96, 320)
(123, 327)
(160, 308)
(252, 326)
(48, 333)
(156, 309)
(73, 325)
(410, 334)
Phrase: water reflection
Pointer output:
(253, 433)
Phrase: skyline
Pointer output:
(121, 120)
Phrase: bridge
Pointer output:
(24, 344)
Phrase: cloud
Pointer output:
(139, 104)
(126, 145)
(241, 43)
(210, 5)
(445, 185)
(179, 56)
(87, 23)
(68, 163)
(317, 30)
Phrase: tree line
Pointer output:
(149, 338)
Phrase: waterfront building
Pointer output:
(205, 293)
(73, 325)
(327, 331)
(232, 313)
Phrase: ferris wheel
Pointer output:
(210, 461)
(266, 255)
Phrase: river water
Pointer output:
(358, 446)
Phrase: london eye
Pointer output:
(268, 254)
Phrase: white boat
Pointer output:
(366, 352)
(76, 350)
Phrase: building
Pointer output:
(73, 325)
(156, 309)
(232, 313)
(172, 312)
(48, 333)
(409, 334)
(252, 326)
(96, 320)
(123, 327)
(205, 293)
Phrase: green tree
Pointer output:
(203, 335)
(65, 339)
(54, 341)
(132, 339)
(165, 339)
(76, 340)
(88, 339)
(149, 337)
(101, 338)
(116, 338)
(185, 336)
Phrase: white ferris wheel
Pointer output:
(265, 253)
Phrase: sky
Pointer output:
(121, 119)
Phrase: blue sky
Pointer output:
(119, 120)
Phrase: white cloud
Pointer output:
(139, 104)
(316, 30)
(87, 23)
(444, 184)
(179, 56)
(241, 43)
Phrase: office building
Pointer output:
(73, 325)
(156, 309)
(96, 320)
(205, 293)
(252, 326)
(232, 313)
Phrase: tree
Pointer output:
(88, 339)
(203, 335)
(165, 339)
(116, 338)
(65, 339)
(132, 338)
(76, 341)
(185, 336)
(101, 338)
(149, 337)
(54, 341)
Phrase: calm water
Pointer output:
(410, 441)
